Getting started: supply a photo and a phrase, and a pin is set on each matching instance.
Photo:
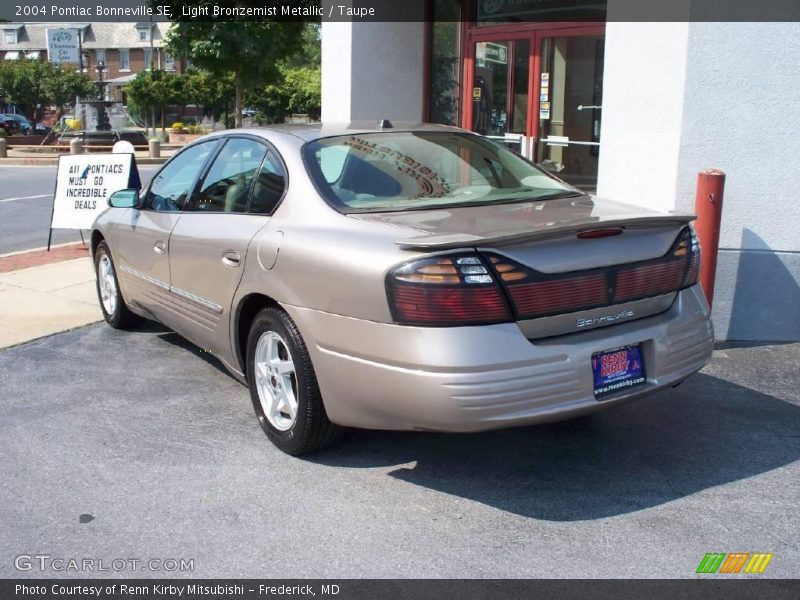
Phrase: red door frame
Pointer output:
(535, 33)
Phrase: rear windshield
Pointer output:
(394, 171)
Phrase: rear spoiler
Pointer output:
(459, 240)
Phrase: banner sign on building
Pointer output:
(63, 46)
(83, 184)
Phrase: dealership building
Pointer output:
(626, 108)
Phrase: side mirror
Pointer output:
(124, 199)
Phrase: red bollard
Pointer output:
(708, 206)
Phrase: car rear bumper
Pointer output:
(384, 376)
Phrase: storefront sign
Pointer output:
(491, 52)
(83, 185)
(63, 45)
(540, 10)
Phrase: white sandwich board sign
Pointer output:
(83, 184)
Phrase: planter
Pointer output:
(24, 140)
(183, 138)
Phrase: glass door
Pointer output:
(500, 99)
(539, 90)
(570, 103)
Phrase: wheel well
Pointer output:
(97, 237)
(247, 311)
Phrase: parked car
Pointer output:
(25, 126)
(415, 278)
(8, 125)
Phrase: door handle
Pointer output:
(159, 247)
(231, 258)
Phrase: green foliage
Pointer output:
(210, 91)
(153, 90)
(66, 83)
(445, 67)
(298, 90)
(31, 82)
(246, 52)
(297, 86)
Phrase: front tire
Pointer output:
(112, 304)
(283, 386)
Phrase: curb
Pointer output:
(53, 161)
(40, 257)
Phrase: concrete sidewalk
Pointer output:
(46, 299)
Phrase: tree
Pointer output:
(23, 83)
(297, 88)
(209, 91)
(248, 51)
(33, 84)
(65, 85)
(150, 92)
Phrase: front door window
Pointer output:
(570, 108)
(500, 87)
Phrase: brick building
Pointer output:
(125, 48)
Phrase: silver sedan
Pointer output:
(417, 278)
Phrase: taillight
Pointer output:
(534, 294)
(693, 272)
(675, 271)
(446, 291)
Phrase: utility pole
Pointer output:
(80, 65)
(152, 109)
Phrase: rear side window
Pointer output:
(226, 187)
(269, 186)
(171, 187)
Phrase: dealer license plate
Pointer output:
(617, 370)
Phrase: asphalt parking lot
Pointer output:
(157, 448)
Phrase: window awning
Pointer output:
(13, 55)
(121, 80)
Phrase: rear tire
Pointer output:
(284, 388)
(112, 304)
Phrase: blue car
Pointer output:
(25, 126)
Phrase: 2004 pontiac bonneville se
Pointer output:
(402, 278)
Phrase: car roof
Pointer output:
(314, 131)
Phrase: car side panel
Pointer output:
(140, 240)
(204, 276)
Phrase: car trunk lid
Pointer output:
(565, 265)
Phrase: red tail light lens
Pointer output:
(446, 291)
(649, 280)
(534, 294)
(559, 295)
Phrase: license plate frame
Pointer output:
(623, 370)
